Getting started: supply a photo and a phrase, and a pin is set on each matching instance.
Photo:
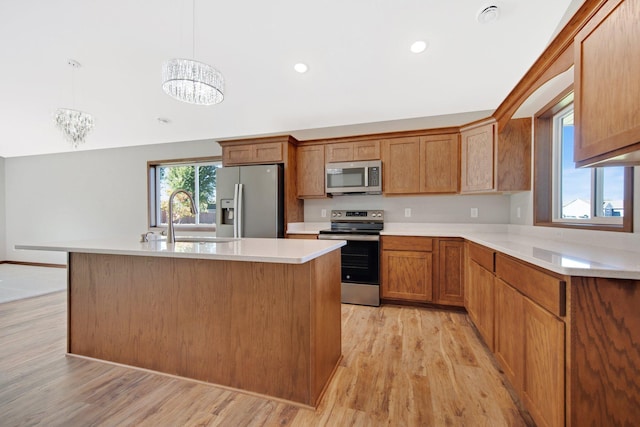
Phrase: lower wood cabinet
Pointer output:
(480, 300)
(449, 288)
(544, 365)
(407, 268)
(509, 332)
(529, 345)
(302, 236)
(526, 336)
(423, 269)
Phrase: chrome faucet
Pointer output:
(194, 210)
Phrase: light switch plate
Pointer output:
(474, 212)
(407, 212)
(323, 213)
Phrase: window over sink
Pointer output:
(198, 178)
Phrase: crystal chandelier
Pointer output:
(191, 81)
(74, 124)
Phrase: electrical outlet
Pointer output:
(407, 212)
(474, 212)
(518, 212)
(323, 213)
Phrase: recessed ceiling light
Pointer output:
(300, 67)
(488, 14)
(419, 46)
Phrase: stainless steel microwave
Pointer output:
(354, 177)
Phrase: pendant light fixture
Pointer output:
(74, 124)
(191, 81)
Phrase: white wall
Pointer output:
(2, 211)
(492, 209)
(83, 194)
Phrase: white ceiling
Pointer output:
(362, 76)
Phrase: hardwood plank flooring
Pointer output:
(402, 366)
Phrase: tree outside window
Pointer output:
(197, 178)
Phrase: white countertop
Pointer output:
(283, 251)
(589, 258)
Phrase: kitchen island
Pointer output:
(259, 315)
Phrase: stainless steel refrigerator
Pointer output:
(250, 201)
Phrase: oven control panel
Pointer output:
(358, 216)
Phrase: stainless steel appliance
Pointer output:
(361, 256)
(250, 201)
(354, 177)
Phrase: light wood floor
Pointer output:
(402, 367)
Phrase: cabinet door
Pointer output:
(407, 275)
(439, 155)
(310, 163)
(366, 150)
(450, 287)
(252, 153)
(509, 332)
(480, 287)
(401, 165)
(607, 65)
(477, 166)
(342, 152)
(237, 154)
(267, 153)
(544, 357)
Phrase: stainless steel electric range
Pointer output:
(361, 256)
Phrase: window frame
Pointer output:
(152, 193)
(544, 170)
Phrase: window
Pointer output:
(198, 178)
(566, 196)
(594, 195)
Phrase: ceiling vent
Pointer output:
(488, 14)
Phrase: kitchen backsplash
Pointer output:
(491, 209)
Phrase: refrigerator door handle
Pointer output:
(240, 209)
(235, 210)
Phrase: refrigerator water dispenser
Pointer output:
(227, 211)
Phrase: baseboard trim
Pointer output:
(34, 264)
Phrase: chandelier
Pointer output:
(74, 124)
(192, 81)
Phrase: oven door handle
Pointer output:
(358, 237)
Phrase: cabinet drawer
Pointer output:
(546, 290)
(406, 243)
(483, 256)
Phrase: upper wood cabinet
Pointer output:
(268, 152)
(420, 164)
(274, 149)
(440, 158)
(492, 161)
(401, 165)
(310, 164)
(353, 151)
(607, 88)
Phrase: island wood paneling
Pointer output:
(605, 349)
(263, 327)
